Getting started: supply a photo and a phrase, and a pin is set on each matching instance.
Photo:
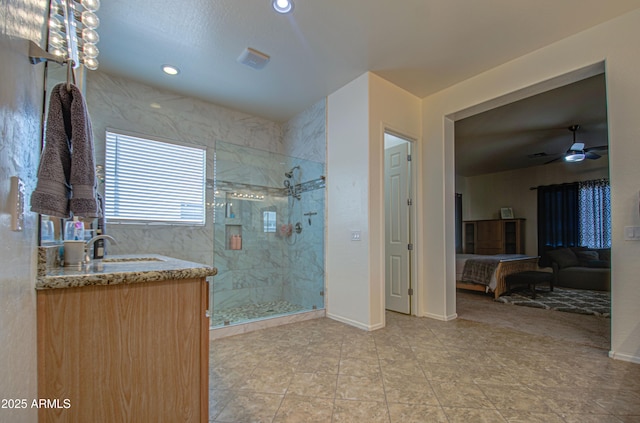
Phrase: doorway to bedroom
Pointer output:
(504, 154)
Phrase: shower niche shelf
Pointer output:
(232, 231)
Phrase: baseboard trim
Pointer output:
(355, 323)
(624, 357)
(441, 317)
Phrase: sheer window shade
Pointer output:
(149, 181)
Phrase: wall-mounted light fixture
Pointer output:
(72, 31)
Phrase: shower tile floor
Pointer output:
(251, 312)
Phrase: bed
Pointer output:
(487, 273)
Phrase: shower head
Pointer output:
(289, 174)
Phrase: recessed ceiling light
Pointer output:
(170, 69)
(282, 6)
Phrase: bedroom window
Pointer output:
(594, 208)
(575, 214)
(152, 181)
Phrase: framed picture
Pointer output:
(506, 213)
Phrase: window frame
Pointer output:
(111, 184)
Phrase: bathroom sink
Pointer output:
(129, 259)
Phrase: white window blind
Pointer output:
(149, 181)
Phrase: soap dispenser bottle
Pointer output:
(99, 245)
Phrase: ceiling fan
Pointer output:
(577, 152)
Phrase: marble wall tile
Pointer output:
(243, 152)
(294, 263)
(305, 134)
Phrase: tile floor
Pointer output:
(416, 370)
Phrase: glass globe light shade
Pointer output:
(91, 63)
(90, 50)
(91, 36)
(91, 5)
(90, 20)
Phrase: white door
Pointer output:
(397, 228)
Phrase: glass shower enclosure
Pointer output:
(268, 235)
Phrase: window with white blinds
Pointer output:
(149, 181)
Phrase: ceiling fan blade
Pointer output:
(591, 155)
(577, 146)
(597, 148)
(554, 160)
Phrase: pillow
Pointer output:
(605, 254)
(564, 257)
(603, 264)
(586, 256)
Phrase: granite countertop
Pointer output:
(121, 269)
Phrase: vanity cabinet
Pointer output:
(133, 352)
(488, 237)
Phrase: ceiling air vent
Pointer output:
(253, 58)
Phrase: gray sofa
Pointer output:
(581, 268)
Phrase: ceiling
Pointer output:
(422, 46)
(506, 137)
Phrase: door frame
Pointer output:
(413, 215)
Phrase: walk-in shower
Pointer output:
(268, 251)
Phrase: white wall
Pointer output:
(390, 108)
(21, 94)
(357, 116)
(613, 42)
(347, 262)
(484, 195)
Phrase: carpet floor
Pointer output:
(580, 301)
(589, 330)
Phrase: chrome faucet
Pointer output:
(94, 239)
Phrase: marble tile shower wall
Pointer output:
(306, 256)
(253, 274)
(305, 138)
(305, 134)
(265, 269)
(121, 104)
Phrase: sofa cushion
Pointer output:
(604, 254)
(585, 256)
(564, 257)
(601, 264)
(584, 278)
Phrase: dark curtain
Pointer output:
(458, 223)
(558, 218)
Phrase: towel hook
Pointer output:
(71, 75)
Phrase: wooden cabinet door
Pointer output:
(469, 237)
(124, 353)
(489, 237)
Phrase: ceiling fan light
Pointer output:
(574, 156)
